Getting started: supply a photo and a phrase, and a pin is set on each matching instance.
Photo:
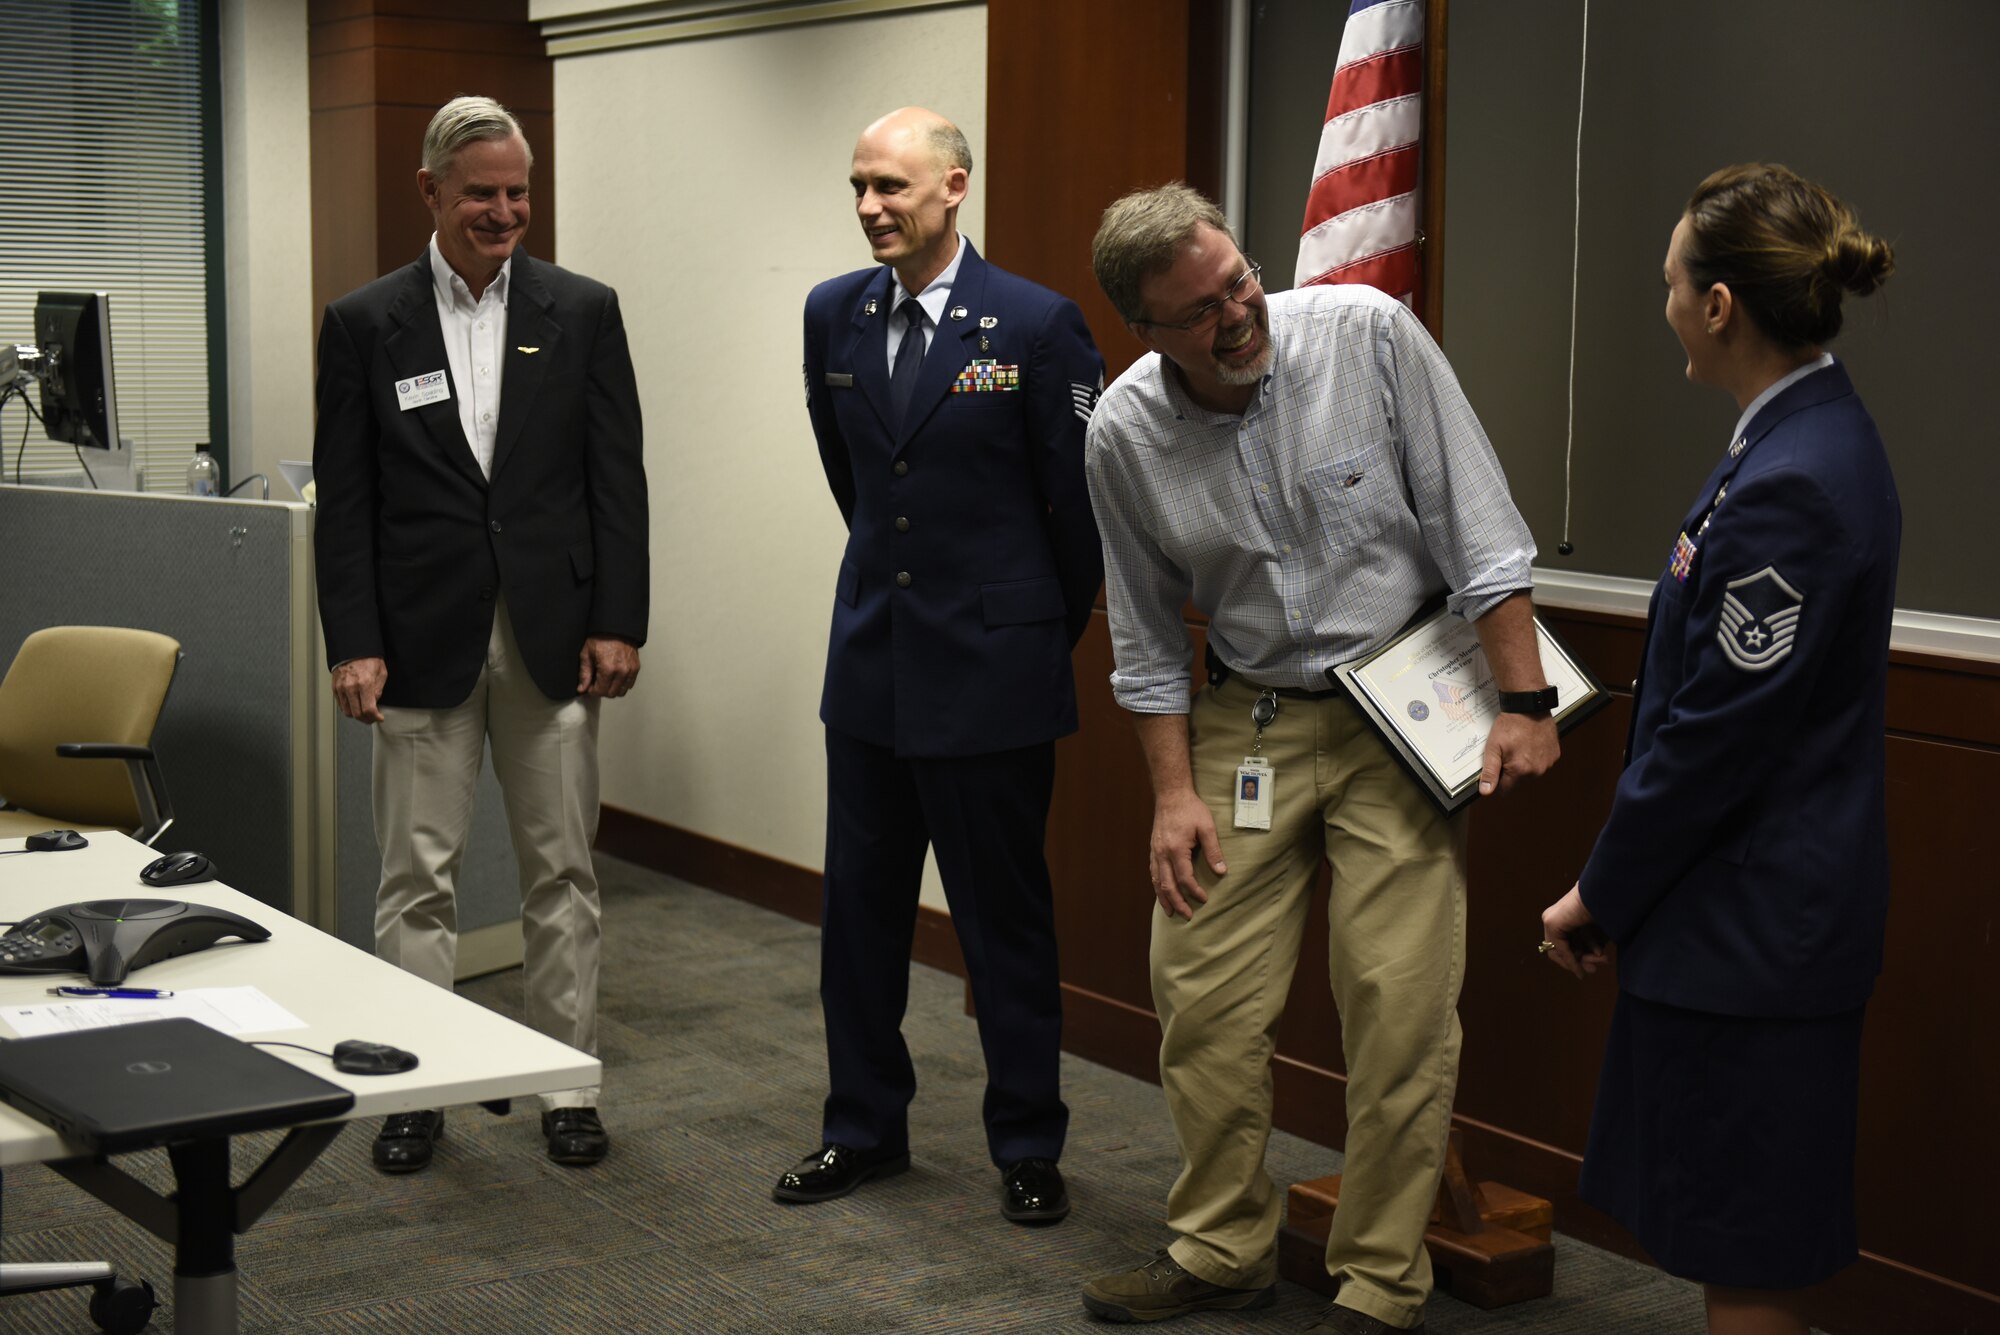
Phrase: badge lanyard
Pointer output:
(1254, 777)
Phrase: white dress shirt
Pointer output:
(475, 339)
(935, 294)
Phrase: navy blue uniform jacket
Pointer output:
(972, 560)
(414, 544)
(1744, 867)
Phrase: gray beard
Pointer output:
(1245, 375)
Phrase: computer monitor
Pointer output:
(79, 405)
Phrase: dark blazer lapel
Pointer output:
(867, 349)
(532, 336)
(948, 352)
(417, 348)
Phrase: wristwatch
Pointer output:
(1528, 702)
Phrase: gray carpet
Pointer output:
(714, 1075)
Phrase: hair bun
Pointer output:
(1859, 261)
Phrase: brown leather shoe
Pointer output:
(1338, 1320)
(1161, 1289)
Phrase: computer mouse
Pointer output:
(177, 869)
(56, 841)
(360, 1057)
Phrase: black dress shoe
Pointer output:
(833, 1172)
(1032, 1192)
(403, 1145)
(575, 1136)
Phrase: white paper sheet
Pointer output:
(232, 1010)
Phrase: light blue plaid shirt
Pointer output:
(1357, 486)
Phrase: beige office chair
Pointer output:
(76, 701)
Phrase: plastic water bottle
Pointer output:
(204, 474)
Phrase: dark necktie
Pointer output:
(909, 356)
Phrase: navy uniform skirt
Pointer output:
(1726, 1143)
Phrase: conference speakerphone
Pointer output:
(108, 938)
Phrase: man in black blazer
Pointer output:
(481, 549)
(949, 399)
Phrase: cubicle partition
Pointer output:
(266, 778)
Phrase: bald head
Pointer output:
(909, 177)
(922, 129)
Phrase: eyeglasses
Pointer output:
(1207, 317)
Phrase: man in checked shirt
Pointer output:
(1304, 466)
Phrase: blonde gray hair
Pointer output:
(947, 144)
(467, 120)
(1139, 236)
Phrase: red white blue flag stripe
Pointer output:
(1361, 217)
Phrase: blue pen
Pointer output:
(139, 993)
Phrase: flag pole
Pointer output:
(1430, 302)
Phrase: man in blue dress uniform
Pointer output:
(949, 401)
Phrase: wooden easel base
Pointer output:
(1508, 1260)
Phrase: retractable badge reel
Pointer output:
(1255, 776)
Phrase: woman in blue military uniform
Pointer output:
(1743, 871)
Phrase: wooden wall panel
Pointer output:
(1931, 1052)
(344, 243)
(1104, 897)
(1085, 102)
(378, 69)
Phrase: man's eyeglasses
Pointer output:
(1210, 315)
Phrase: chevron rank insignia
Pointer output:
(1083, 398)
(1760, 619)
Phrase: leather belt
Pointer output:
(1219, 672)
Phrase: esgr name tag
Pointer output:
(417, 390)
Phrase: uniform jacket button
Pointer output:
(902, 579)
(902, 524)
(902, 467)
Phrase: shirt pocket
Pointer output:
(1346, 497)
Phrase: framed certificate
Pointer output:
(1430, 694)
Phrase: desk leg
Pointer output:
(204, 1215)
(205, 1257)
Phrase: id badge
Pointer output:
(417, 390)
(1253, 793)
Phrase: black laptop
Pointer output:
(130, 1086)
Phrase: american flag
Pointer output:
(1361, 217)
(1451, 699)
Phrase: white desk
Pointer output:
(467, 1054)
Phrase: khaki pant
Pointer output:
(1397, 951)
(426, 765)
